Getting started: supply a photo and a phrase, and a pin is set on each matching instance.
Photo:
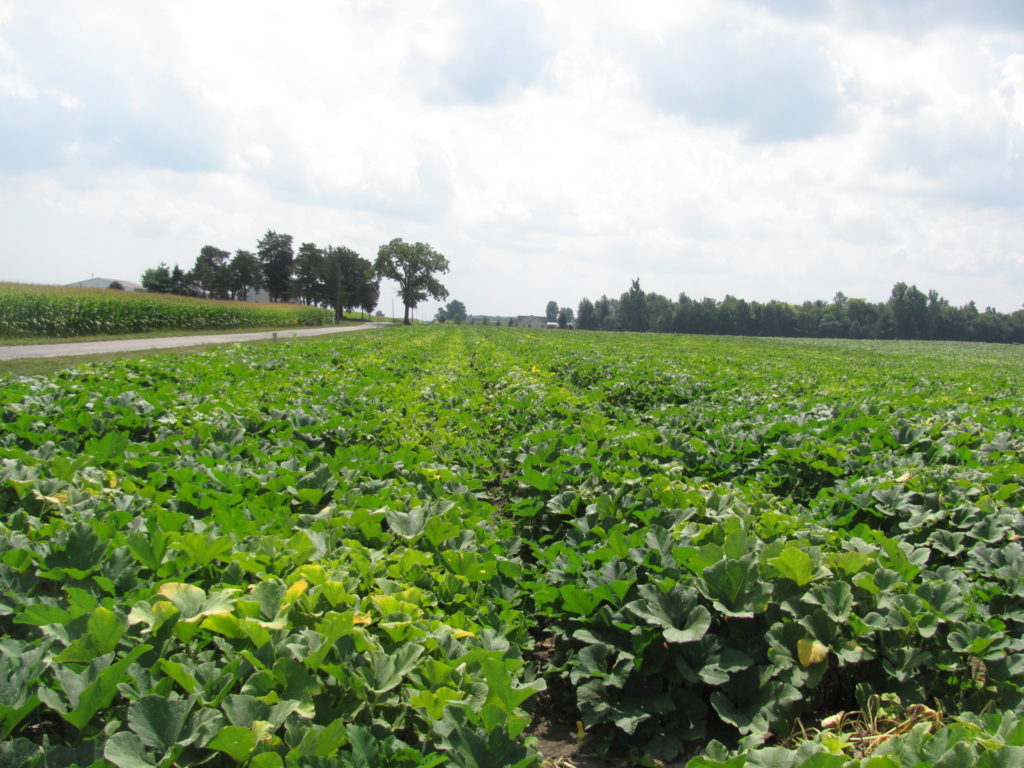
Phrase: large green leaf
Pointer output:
(103, 632)
(86, 693)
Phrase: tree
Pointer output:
(182, 283)
(115, 285)
(210, 272)
(552, 311)
(243, 275)
(565, 317)
(585, 315)
(413, 266)
(909, 309)
(349, 281)
(633, 309)
(366, 293)
(157, 279)
(308, 280)
(453, 312)
(276, 256)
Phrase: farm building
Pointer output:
(531, 321)
(104, 282)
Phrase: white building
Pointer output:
(103, 282)
(531, 321)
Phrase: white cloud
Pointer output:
(550, 150)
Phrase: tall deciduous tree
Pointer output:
(585, 315)
(909, 311)
(210, 272)
(157, 279)
(349, 281)
(551, 312)
(414, 267)
(308, 279)
(276, 256)
(633, 309)
(367, 294)
(244, 275)
(452, 312)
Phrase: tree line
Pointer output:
(332, 276)
(907, 314)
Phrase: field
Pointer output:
(414, 547)
(58, 311)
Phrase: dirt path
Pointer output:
(70, 349)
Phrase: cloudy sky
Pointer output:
(551, 149)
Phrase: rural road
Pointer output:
(69, 349)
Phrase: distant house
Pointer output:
(103, 282)
(531, 321)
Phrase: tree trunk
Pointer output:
(406, 320)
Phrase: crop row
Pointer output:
(30, 310)
(392, 549)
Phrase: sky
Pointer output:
(550, 149)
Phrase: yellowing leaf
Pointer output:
(193, 602)
(810, 652)
(361, 618)
(294, 592)
(57, 498)
(315, 574)
(335, 592)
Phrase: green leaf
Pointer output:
(39, 615)
(103, 631)
(268, 760)
(192, 602)
(385, 670)
(434, 701)
(148, 548)
(92, 690)
(836, 599)
(409, 524)
(126, 750)
(158, 721)
(244, 710)
(698, 621)
(505, 691)
(578, 601)
(795, 564)
(735, 587)
(235, 741)
(178, 672)
(676, 611)
(330, 739)
(204, 549)
(112, 445)
(364, 745)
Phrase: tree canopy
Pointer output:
(452, 312)
(276, 256)
(414, 267)
(908, 314)
(336, 277)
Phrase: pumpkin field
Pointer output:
(416, 547)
